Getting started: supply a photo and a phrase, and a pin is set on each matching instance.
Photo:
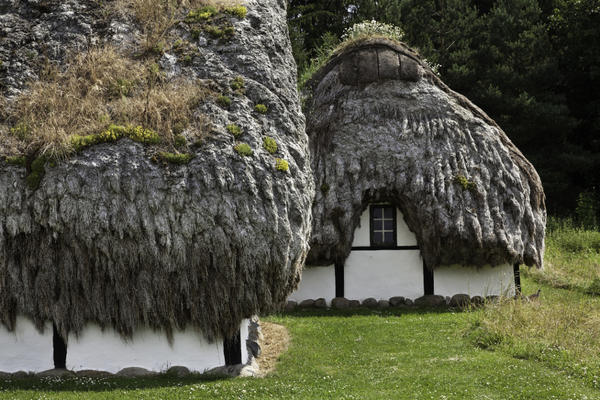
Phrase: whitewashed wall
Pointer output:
(485, 281)
(316, 282)
(107, 351)
(244, 331)
(26, 349)
(383, 274)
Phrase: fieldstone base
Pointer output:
(341, 303)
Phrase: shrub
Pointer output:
(237, 83)
(224, 101)
(155, 18)
(235, 130)
(243, 149)
(281, 165)
(261, 108)
(325, 188)
(372, 28)
(270, 144)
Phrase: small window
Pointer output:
(383, 226)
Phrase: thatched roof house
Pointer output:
(128, 238)
(384, 129)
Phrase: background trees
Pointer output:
(532, 65)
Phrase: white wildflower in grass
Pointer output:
(373, 28)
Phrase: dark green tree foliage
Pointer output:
(309, 20)
(575, 33)
(532, 65)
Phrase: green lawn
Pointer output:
(361, 355)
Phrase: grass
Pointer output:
(99, 88)
(572, 257)
(561, 330)
(156, 18)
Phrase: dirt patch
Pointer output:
(274, 341)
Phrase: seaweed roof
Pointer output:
(383, 127)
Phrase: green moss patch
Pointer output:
(281, 165)
(180, 141)
(201, 14)
(16, 160)
(214, 20)
(243, 149)
(220, 32)
(465, 183)
(235, 130)
(114, 133)
(261, 109)
(175, 158)
(270, 144)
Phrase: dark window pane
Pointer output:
(388, 212)
(389, 238)
(377, 238)
(377, 212)
(378, 225)
(388, 225)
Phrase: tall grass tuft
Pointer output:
(572, 258)
(99, 88)
(564, 332)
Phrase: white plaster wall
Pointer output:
(26, 349)
(362, 235)
(405, 237)
(383, 274)
(107, 351)
(485, 281)
(316, 282)
(243, 337)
